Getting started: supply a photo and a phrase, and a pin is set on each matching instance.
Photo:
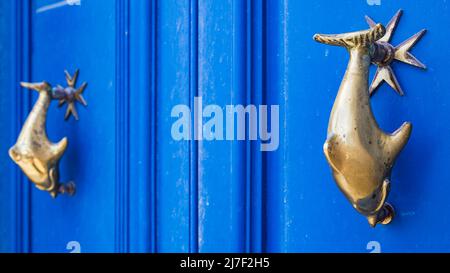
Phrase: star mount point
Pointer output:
(70, 95)
(401, 53)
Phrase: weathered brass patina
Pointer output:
(360, 154)
(33, 152)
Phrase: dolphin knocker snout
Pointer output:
(360, 154)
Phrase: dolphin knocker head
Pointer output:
(38, 86)
(374, 205)
(361, 155)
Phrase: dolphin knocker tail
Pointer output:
(353, 39)
(396, 141)
(59, 148)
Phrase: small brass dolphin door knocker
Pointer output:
(360, 154)
(33, 152)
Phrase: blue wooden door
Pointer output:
(141, 190)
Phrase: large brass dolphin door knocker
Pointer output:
(33, 152)
(360, 154)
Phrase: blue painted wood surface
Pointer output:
(138, 190)
(6, 109)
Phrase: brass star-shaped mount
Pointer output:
(70, 95)
(400, 53)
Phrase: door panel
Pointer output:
(308, 212)
(7, 242)
(108, 155)
(140, 190)
(173, 164)
(222, 176)
(83, 38)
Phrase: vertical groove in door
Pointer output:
(193, 92)
(21, 72)
(248, 149)
(122, 219)
(256, 89)
(153, 128)
(262, 193)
